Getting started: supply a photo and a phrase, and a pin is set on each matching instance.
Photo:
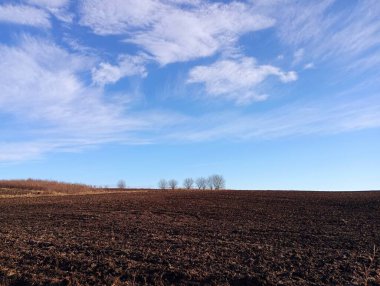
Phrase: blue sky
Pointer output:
(276, 94)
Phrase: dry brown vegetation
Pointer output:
(31, 187)
(191, 238)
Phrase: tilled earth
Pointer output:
(192, 238)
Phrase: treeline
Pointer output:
(214, 182)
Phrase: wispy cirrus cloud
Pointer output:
(127, 65)
(117, 16)
(237, 79)
(60, 108)
(298, 56)
(50, 4)
(318, 117)
(171, 33)
(58, 8)
(327, 30)
(24, 15)
(62, 101)
(48, 87)
(22, 151)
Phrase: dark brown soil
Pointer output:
(191, 238)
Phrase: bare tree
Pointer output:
(210, 183)
(173, 184)
(163, 184)
(201, 183)
(218, 182)
(188, 183)
(121, 184)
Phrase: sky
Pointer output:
(271, 94)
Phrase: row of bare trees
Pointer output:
(214, 182)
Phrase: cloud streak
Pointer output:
(170, 33)
(58, 8)
(65, 112)
(326, 33)
(24, 15)
(296, 119)
(50, 4)
(127, 66)
(65, 93)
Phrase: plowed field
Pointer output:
(191, 238)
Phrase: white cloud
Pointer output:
(298, 56)
(24, 15)
(55, 101)
(48, 86)
(318, 117)
(127, 66)
(13, 152)
(59, 8)
(43, 91)
(50, 3)
(301, 22)
(118, 16)
(355, 33)
(175, 31)
(170, 32)
(237, 79)
(55, 105)
(309, 66)
(341, 35)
